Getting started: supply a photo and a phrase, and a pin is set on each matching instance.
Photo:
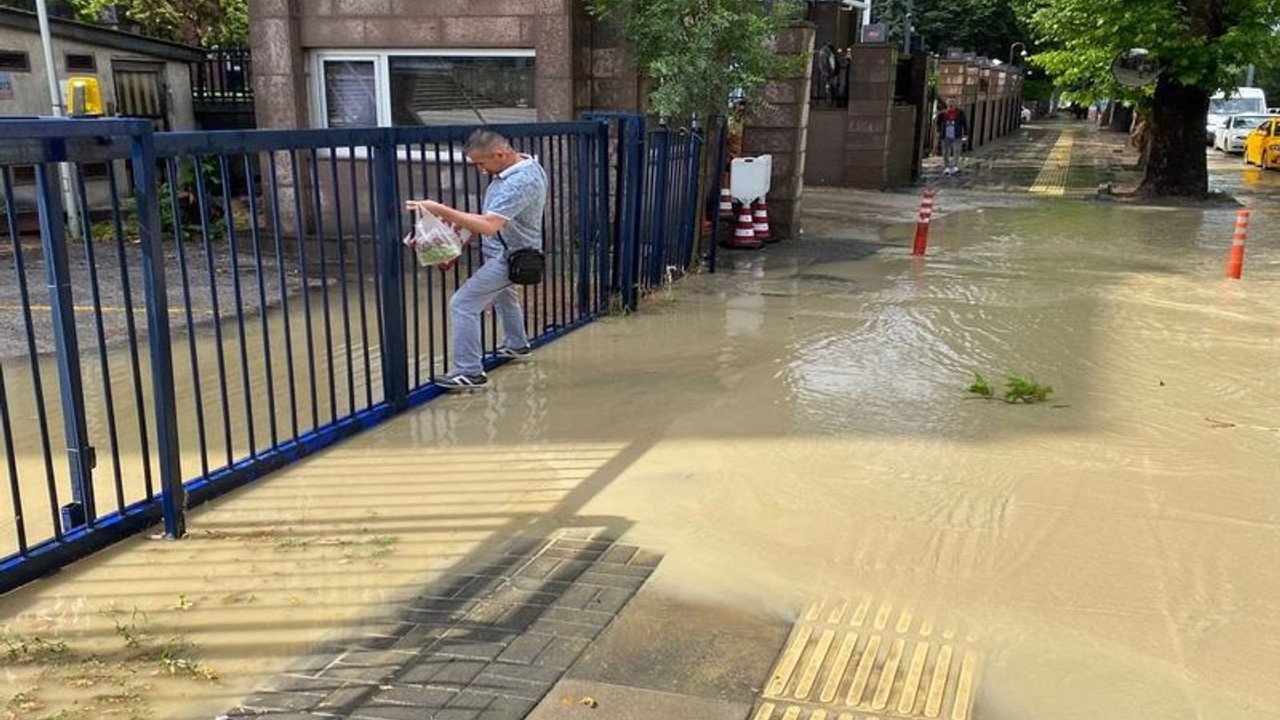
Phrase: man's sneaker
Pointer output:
(512, 353)
(459, 380)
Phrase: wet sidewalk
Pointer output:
(1047, 157)
(769, 495)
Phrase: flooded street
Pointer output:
(797, 430)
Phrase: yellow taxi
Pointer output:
(1262, 146)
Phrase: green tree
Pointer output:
(696, 53)
(987, 27)
(203, 23)
(1202, 43)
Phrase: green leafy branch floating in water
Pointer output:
(1018, 389)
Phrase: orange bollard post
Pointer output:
(922, 225)
(1235, 261)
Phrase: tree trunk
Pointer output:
(1176, 165)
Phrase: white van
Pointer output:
(1242, 101)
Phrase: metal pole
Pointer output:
(55, 98)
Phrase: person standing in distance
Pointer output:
(953, 131)
(510, 219)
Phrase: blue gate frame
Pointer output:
(277, 301)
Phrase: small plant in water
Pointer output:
(981, 387)
(1018, 389)
(1025, 389)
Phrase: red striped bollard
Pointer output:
(922, 226)
(1235, 261)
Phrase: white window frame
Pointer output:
(381, 59)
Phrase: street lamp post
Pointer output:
(55, 100)
(1017, 44)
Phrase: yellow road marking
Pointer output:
(843, 655)
(815, 664)
(933, 704)
(863, 673)
(888, 675)
(765, 712)
(904, 621)
(792, 713)
(882, 617)
(860, 615)
(788, 663)
(837, 615)
(911, 685)
(964, 691)
(1052, 179)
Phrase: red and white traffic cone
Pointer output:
(726, 200)
(1235, 261)
(744, 232)
(760, 220)
(922, 225)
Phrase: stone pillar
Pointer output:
(868, 134)
(604, 76)
(781, 131)
(279, 70)
(280, 94)
(553, 79)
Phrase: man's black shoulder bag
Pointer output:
(525, 266)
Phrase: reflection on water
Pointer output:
(798, 427)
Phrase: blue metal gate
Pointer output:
(257, 281)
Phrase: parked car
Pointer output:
(1262, 146)
(1241, 101)
(1230, 137)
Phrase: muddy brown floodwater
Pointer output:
(798, 428)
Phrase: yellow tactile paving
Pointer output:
(1052, 179)
(867, 659)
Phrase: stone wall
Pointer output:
(282, 32)
(781, 130)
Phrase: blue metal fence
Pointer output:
(217, 305)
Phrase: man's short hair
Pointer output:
(486, 141)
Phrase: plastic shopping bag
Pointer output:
(435, 241)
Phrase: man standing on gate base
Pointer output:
(510, 219)
(953, 132)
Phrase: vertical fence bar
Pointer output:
(173, 498)
(601, 238)
(278, 241)
(659, 209)
(584, 233)
(696, 143)
(53, 239)
(717, 180)
(632, 132)
(395, 381)
(219, 354)
(33, 355)
(237, 294)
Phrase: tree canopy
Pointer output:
(986, 27)
(697, 53)
(203, 23)
(1203, 44)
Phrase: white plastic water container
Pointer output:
(750, 178)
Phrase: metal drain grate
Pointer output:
(866, 661)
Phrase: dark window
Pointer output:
(447, 90)
(81, 63)
(14, 61)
